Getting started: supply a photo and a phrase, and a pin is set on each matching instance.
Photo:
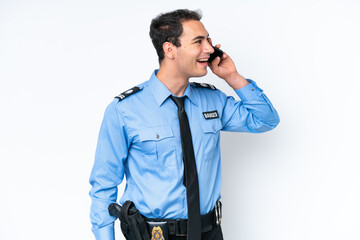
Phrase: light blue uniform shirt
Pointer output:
(140, 138)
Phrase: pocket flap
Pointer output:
(155, 133)
(211, 126)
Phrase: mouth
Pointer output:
(203, 61)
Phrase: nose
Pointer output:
(208, 48)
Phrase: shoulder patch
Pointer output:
(204, 85)
(127, 93)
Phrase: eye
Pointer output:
(198, 41)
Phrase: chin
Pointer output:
(200, 74)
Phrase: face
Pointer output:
(191, 57)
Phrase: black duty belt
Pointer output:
(178, 227)
(136, 227)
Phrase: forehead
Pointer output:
(192, 29)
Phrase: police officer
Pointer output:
(141, 138)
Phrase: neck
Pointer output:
(172, 79)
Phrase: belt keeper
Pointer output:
(220, 204)
(180, 228)
(172, 227)
(218, 212)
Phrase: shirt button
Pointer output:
(252, 89)
(157, 136)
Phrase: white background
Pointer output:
(61, 63)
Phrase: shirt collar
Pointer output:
(161, 92)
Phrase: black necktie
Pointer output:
(190, 174)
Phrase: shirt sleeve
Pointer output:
(254, 113)
(107, 172)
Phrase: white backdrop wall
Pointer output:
(61, 63)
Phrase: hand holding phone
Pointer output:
(217, 53)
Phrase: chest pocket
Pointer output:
(211, 126)
(211, 138)
(158, 146)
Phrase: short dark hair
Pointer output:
(167, 27)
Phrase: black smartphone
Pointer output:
(217, 53)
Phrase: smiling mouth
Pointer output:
(203, 60)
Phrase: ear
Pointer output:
(169, 50)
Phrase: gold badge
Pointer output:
(157, 233)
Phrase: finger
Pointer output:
(214, 65)
(218, 45)
(216, 61)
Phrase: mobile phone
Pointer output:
(217, 53)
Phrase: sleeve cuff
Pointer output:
(104, 233)
(249, 92)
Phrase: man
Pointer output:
(170, 153)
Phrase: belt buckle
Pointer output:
(179, 228)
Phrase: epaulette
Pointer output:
(204, 85)
(127, 93)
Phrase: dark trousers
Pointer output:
(214, 234)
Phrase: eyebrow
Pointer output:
(200, 37)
